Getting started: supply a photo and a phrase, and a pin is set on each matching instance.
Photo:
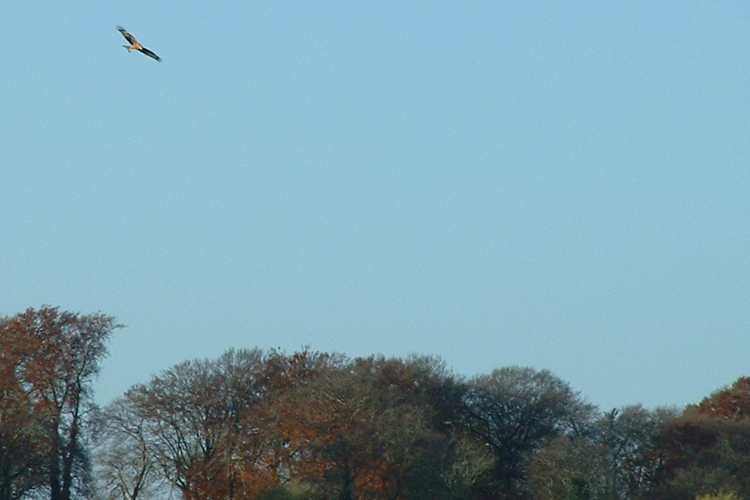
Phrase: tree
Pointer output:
(365, 428)
(203, 426)
(703, 455)
(569, 469)
(125, 466)
(23, 449)
(514, 412)
(707, 449)
(617, 458)
(65, 353)
(629, 439)
(729, 403)
(468, 468)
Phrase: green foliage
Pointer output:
(468, 469)
(719, 496)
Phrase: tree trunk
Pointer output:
(54, 463)
(71, 452)
(347, 491)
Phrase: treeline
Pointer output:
(269, 425)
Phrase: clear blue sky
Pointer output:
(563, 185)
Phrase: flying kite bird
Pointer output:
(135, 44)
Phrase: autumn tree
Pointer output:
(729, 403)
(202, 428)
(368, 428)
(23, 450)
(704, 455)
(284, 377)
(23, 442)
(707, 449)
(64, 354)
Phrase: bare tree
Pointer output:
(125, 466)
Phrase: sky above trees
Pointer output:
(555, 186)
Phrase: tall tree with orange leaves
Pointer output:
(61, 355)
(22, 441)
(367, 428)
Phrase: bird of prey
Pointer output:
(135, 44)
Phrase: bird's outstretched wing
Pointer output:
(130, 38)
(147, 52)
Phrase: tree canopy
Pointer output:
(255, 424)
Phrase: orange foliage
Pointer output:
(730, 403)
